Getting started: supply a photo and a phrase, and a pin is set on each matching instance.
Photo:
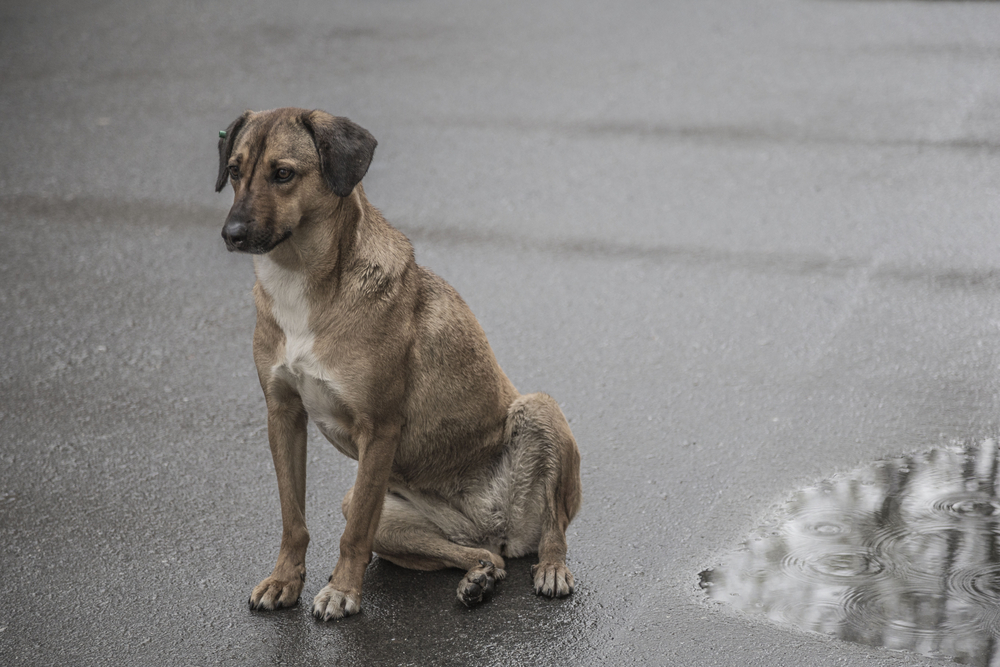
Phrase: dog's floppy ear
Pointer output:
(226, 143)
(345, 149)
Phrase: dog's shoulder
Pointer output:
(436, 302)
(383, 258)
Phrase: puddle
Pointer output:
(903, 554)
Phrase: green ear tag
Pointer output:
(222, 134)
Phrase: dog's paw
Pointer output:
(334, 604)
(274, 593)
(552, 579)
(479, 582)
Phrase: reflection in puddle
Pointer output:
(903, 554)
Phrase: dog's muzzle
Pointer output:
(251, 237)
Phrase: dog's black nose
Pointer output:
(235, 233)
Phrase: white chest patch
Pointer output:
(317, 385)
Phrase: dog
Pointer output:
(456, 469)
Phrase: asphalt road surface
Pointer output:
(745, 244)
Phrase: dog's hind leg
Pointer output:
(408, 536)
(544, 452)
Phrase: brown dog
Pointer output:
(455, 468)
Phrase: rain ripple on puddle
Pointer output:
(903, 554)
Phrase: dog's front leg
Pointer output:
(342, 596)
(286, 433)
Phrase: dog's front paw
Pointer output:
(274, 593)
(479, 582)
(552, 579)
(333, 604)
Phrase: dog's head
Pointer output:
(287, 166)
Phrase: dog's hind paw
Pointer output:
(274, 593)
(479, 583)
(552, 579)
(334, 604)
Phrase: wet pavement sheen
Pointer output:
(902, 553)
(745, 244)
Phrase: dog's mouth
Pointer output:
(253, 245)
(281, 239)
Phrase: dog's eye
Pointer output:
(283, 175)
(234, 172)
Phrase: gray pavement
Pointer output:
(746, 244)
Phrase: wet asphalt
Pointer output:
(746, 245)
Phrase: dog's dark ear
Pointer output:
(345, 149)
(226, 144)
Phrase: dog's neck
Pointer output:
(345, 246)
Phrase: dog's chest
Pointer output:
(299, 365)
